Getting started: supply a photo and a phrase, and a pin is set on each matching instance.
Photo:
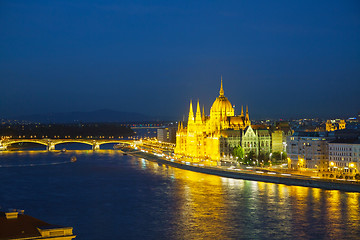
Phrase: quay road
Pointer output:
(51, 143)
(247, 173)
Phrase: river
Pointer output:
(104, 195)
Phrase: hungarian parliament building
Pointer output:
(214, 137)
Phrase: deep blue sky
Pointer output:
(282, 58)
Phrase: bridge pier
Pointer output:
(95, 146)
(51, 146)
(3, 147)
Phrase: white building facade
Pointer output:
(308, 150)
(344, 157)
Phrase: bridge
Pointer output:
(51, 143)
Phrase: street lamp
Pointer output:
(301, 163)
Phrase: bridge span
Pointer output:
(51, 143)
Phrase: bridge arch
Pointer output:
(73, 141)
(27, 141)
(37, 141)
(102, 142)
(69, 141)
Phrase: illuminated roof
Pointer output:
(222, 104)
(346, 141)
(24, 227)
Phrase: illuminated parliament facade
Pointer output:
(215, 136)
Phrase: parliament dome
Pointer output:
(221, 105)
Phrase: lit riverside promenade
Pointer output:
(161, 152)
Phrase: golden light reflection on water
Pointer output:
(227, 208)
(334, 214)
(298, 205)
(212, 207)
(353, 201)
(202, 205)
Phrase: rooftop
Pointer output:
(347, 141)
(22, 226)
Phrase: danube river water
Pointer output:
(104, 195)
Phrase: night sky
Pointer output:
(281, 58)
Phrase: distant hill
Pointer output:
(104, 115)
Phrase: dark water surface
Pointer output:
(105, 195)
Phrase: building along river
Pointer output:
(105, 195)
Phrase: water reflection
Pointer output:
(353, 209)
(223, 208)
(135, 193)
(203, 212)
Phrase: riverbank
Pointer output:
(287, 179)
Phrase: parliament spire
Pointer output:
(221, 88)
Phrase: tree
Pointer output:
(278, 156)
(250, 157)
(239, 153)
(264, 158)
